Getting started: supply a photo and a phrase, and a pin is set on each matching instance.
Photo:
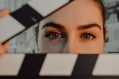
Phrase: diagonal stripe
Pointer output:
(45, 7)
(84, 65)
(58, 64)
(33, 12)
(10, 64)
(32, 64)
(8, 27)
(107, 64)
(27, 16)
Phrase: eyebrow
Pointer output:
(54, 25)
(61, 27)
(89, 26)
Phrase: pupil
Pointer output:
(87, 35)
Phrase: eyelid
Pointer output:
(61, 33)
(94, 36)
(55, 30)
(52, 29)
(92, 31)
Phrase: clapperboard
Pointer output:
(25, 17)
(59, 66)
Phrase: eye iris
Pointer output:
(54, 35)
(87, 36)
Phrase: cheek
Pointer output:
(49, 47)
(93, 47)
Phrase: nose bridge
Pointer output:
(72, 44)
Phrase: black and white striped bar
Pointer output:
(58, 66)
(25, 17)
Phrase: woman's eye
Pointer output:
(87, 36)
(53, 35)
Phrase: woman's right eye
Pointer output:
(53, 35)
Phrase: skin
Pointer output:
(76, 28)
(4, 47)
(71, 37)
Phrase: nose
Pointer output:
(72, 46)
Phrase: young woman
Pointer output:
(76, 28)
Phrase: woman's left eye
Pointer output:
(53, 35)
(87, 35)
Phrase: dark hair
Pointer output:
(101, 7)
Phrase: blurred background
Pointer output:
(24, 43)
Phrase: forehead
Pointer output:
(79, 12)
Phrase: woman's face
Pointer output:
(76, 28)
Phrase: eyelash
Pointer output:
(87, 36)
(56, 35)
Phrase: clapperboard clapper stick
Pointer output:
(59, 66)
(25, 17)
